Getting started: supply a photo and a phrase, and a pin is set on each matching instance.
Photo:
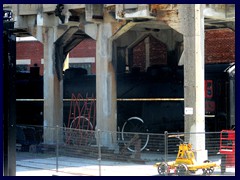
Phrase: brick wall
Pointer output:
(86, 48)
(33, 50)
(30, 50)
(139, 56)
(219, 46)
(158, 52)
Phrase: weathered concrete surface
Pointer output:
(68, 166)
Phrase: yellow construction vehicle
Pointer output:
(185, 163)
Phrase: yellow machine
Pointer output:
(185, 163)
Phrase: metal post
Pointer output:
(57, 150)
(9, 99)
(166, 145)
(223, 163)
(99, 151)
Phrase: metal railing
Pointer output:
(100, 153)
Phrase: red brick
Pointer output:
(219, 46)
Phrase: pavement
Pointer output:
(70, 166)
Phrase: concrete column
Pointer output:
(39, 30)
(53, 105)
(105, 85)
(194, 79)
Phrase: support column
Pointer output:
(39, 29)
(194, 79)
(53, 105)
(105, 85)
(9, 99)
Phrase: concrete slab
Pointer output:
(69, 166)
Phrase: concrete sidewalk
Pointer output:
(69, 166)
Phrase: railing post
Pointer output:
(99, 151)
(166, 145)
(57, 149)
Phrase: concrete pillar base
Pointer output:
(201, 156)
(106, 139)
